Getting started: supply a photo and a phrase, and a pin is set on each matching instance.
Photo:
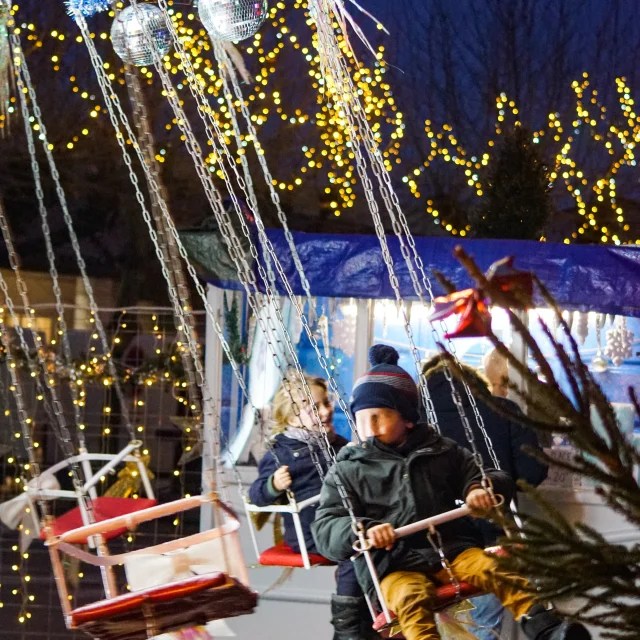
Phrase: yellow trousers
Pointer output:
(410, 594)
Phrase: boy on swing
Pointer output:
(404, 473)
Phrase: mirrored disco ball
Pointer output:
(232, 19)
(128, 34)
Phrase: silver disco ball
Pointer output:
(232, 20)
(128, 34)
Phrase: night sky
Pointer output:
(449, 60)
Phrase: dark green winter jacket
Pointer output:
(422, 478)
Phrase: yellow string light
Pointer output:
(594, 197)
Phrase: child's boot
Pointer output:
(350, 619)
(542, 624)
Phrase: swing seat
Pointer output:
(282, 555)
(104, 508)
(157, 605)
(185, 603)
(445, 596)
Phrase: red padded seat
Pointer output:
(186, 603)
(446, 595)
(103, 509)
(282, 555)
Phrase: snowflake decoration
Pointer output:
(87, 8)
(619, 344)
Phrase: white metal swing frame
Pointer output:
(84, 458)
(402, 532)
(68, 542)
(293, 508)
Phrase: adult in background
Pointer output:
(507, 439)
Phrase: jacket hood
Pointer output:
(440, 389)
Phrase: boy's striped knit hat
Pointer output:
(386, 385)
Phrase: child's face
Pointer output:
(325, 410)
(497, 373)
(386, 425)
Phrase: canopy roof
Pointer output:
(581, 277)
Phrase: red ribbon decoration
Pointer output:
(470, 304)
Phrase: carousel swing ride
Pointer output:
(202, 577)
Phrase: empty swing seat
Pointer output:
(190, 602)
(104, 508)
(282, 555)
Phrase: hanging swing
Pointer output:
(281, 554)
(194, 580)
(185, 582)
(444, 596)
(103, 507)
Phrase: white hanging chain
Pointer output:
(329, 53)
(403, 232)
(438, 547)
(58, 422)
(334, 65)
(93, 306)
(124, 410)
(178, 310)
(186, 130)
(220, 136)
(225, 225)
(169, 250)
(113, 105)
(227, 71)
(23, 416)
(112, 100)
(53, 272)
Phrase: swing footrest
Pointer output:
(445, 596)
(282, 555)
(186, 603)
(104, 508)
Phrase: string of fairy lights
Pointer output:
(595, 196)
(327, 155)
(163, 372)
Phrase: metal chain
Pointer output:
(326, 448)
(124, 410)
(220, 137)
(53, 272)
(58, 422)
(438, 547)
(227, 72)
(225, 224)
(178, 310)
(23, 416)
(402, 231)
(193, 148)
(112, 101)
(334, 77)
(170, 253)
(56, 405)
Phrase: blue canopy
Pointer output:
(580, 277)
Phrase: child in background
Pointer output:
(289, 466)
